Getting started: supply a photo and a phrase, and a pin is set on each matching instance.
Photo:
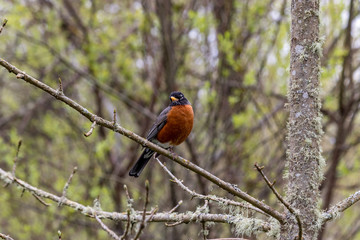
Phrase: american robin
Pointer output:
(171, 128)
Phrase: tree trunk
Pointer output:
(164, 12)
(304, 161)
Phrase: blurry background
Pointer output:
(229, 58)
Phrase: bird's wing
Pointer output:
(159, 123)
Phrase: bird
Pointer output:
(171, 128)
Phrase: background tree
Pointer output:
(231, 58)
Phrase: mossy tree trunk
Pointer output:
(304, 161)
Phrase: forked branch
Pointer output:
(281, 199)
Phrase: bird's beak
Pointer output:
(174, 99)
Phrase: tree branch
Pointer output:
(16, 159)
(281, 199)
(188, 217)
(3, 25)
(341, 206)
(106, 229)
(143, 221)
(93, 125)
(206, 197)
(67, 184)
(6, 237)
(117, 128)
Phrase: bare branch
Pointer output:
(16, 159)
(128, 212)
(41, 200)
(341, 206)
(142, 225)
(3, 25)
(67, 184)
(128, 222)
(127, 194)
(207, 197)
(114, 118)
(61, 91)
(3, 236)
(93, 125)
(117, 128)
(108, 230)
(204, 230)
(281, 199)
(188, 217)
(176, 207)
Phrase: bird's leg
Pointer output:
(171, 149)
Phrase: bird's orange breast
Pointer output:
(178, 126)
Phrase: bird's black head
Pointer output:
(177, 98)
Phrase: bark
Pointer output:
(304, 161)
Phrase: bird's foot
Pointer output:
(173, 154)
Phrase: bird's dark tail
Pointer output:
(141, 162)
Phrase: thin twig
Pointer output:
(341, 206)
(108, 230)
(127, 194)
(204, 230)
(114, 118)
(64, 193)
(41, 200)
(176, 207)
(142, 224)
(128, 222)
(206, 197)
(174, 224)
(93, 125)
(67, 184)
(61, 91)
(16, 159)
(230, 188)
(129, 208)
(3, 25)
(6, 237)
(152, 213)
(204, 209)
(281, 199)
